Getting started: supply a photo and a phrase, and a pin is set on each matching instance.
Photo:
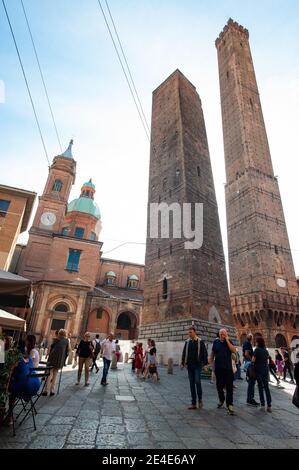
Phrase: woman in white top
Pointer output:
(31, 351)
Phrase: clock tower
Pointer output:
(53, 202)
(48, 221)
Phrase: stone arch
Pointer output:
(280, 319)
(280, 340)
(295, 337)
(99, 321)
(62, 299)
(257, 335)
(127, 325)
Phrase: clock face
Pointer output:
(48, 218)
(281, 282)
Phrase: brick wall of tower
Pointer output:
(180, 172)
(262, 278)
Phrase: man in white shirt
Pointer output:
(107, 347)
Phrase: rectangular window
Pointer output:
(65, 231)
(57, 324)
(73, 260)
(92, 236)
(4, 205)
(79, 232)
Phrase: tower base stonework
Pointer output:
(170, 336)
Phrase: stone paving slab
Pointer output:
(157, 417)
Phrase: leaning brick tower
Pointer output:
(182, 285)
(264, 293)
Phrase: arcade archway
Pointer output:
(126, 326)
(280, 341)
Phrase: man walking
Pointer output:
(96, 350)
(107, 347)
(195, 357)
(287, 365)
(222, 351)
(248, 355)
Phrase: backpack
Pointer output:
(97, 348)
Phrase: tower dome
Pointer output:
(85, 203)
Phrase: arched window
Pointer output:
(165, 288)
(63, 308)
(57, 186)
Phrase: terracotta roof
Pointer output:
(120, 293)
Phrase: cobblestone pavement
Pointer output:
(131, 413)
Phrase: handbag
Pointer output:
(295, 400)
(251, 372)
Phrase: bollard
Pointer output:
(70, 358)
(160, 360)
(114, 361)
(126, 357)
(170, 366)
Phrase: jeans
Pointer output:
(263, 384)
(225, 379)
(194, 374)
(107, 363)
(238, 373)
(94, 362)
(287, 368)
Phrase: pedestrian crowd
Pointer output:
(224, 363)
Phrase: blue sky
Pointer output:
(93, 105)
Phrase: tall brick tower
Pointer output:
(264, 294)
(182, 285)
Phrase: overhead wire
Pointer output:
(26, 82)
(127, 65)
(124, 71)
(41, 74)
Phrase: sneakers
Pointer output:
(262, 408)
(253, 403)
(200, 404)
(192, 407)
(230, 410)
(220, 405)
(269, 409)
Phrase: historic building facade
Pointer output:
(15, 211)
(264, 293)
(182, 285)
(74, 287)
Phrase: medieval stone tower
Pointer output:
(182, 284)
(263, 287)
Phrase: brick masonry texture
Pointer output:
(264, 292)
(180, 172)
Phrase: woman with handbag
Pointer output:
(260, 364)
(85, 353)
